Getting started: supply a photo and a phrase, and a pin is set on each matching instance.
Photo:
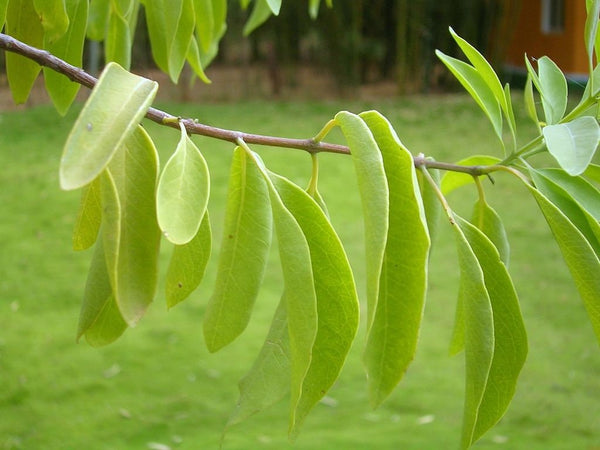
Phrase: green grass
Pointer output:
(159, 384)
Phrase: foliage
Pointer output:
(128, 202)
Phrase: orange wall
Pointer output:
(566, 49)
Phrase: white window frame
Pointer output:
(553, 16)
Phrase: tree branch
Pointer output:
(77, 75)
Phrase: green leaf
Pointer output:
(183, 191)
(477, 87)
(530, 102)
(374, 193)
(591, 31)
(574, 143)
(585, 222)
(194, 58)
(99, 319)
(392, 339)
(260, 14)
(117, 45)
(129, 229)
(510, 338)
(593, 172)
(98, 19)
(486, 219)
(313, 8)
(268, 381)
(188, 264)
(579, 256)
(431, 202)
(22, 23)
(68, 47)
(274, 6)
(553, 89)
(583, 192)
(336, 297)
(454, 180)
(123, 7)
(478, 334)
(489, 77)
(3, 6)
(205, 23)
(244, 249)
(89, 217)
(53, 17)
(111, 114)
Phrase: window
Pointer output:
(553, 16)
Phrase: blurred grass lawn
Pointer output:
(158, 384)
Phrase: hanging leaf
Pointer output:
(583, 192)
(89, 217)
(392, 339)
(431, 202)
(99, 319)
(22, 23)
(68, 47)
(53, 17)
(574, 143)
(274, 6)
(454, 180)
(593, 172)
(98, 19)
(591, 31)
(486, 219)
(111, 114)
(553, 89)
(244, 249)
(374, 193)
(261, 12)
(3, 6)
(194, 58)
(478, 334)
(129, 229)
(510, 338)
(268, 381)
(117, 44)
(579, 256)
(183, 191)
(477, 87)
(336, 297)
(123, 7)
(188, 264)
(530, 102)
(313, 8)
(205, 22)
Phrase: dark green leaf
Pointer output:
(109, 117)
(244, 249)
(188, 264)
(392, 339)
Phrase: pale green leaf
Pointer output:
(183, 191)
(374, 193)
(194, 58)
(22, 23)
(117, 104)
(89, 217)
(489, 222)
(117, 45)
(583, 192)
(274, 6)
(585, 222)
(453, 180)
(268, 381)
(483, 67)
(260, 13)
(392, 339)
(244, 249)
(337, 300)
(510, 338)
(54, 18)
(98, 19)
(99, 319)
(553, 89)
(478, 334)
(69, 48)
(205, 23)
(129, 229)
(188, 264)
(579, 256)
(574, 143)
(477, 87)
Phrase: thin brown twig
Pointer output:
(77, 75)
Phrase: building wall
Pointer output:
(566, 49)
